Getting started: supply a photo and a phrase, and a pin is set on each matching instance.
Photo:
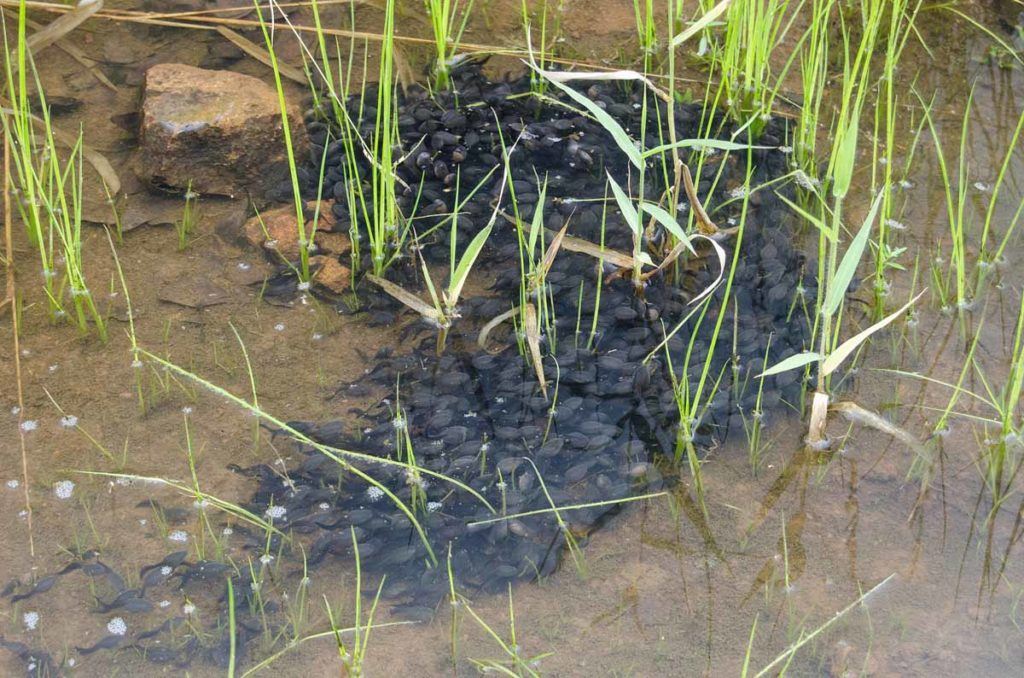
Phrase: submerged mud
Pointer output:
(618, 360)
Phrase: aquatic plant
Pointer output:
(305, 239)
(447, 27)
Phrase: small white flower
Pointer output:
(279, 327)
(201, 503)
(275, 512)
(117, 627)
(63, 489)
(244, 266)
(178, 536)
(188, 608)
(143, 522)
(317, 336)
(15, 410)
(23, 514)
(12, 484)
(981, 186)
(904, 184)
(29, 425)
(166, 570)
(303, 286)
(374, 493)
(69, 421)
(266, 559)
(31, 620)
(53, 368)
(164, 603)
(433, 506)
(786, 149)
(895, 225)
(227, 532)
(324, 506)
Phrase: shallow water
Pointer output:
(665, 590)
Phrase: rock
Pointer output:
(331, 273)
(274, 230)
(219, 130)
(282, 236)
(335, 243)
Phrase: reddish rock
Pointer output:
(337, 243)
(219, 130)
(275, 231)
(331, 273)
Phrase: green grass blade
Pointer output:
(629, 212)
(848, 266)
(622, 139)
(791, 363)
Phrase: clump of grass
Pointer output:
(884, 170)
(957, 281)
(448, 27)
(753, 30)
(513, 662)
(64, 209)
(835, 272)
(549, 20)
(32, 179)
(187, 224)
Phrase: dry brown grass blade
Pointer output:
(556, 244)
(532, 331)
(486, 330)
(260, 54)
(819, 417)
(704, 223)
(859, 415)
(613, 257)
(667, 261)
(8, 240)
(76, 54)
(63, 25)
(202, 21)
(16, 331)
(403, 70)
(407, 298)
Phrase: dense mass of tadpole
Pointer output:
(605, 429)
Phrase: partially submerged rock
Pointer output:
(218, 131)
(331, 273)
(275, 231)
